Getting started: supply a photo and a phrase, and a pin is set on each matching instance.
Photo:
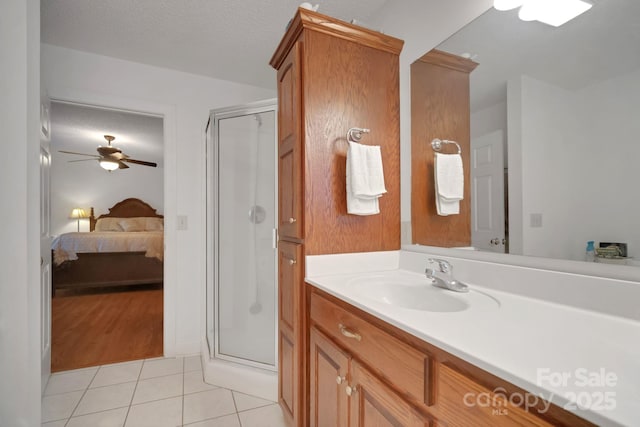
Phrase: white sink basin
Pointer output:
(415, 292)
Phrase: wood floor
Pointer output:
(111, 326)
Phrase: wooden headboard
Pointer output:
(128, 208)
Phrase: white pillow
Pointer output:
(154, 224)
(133, 224)
(108, 224)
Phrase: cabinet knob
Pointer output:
(292, 262)
(340, 379)
(292, 220)
(351, 390)
(348, 333)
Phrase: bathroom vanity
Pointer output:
(388, 348)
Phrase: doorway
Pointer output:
(99, 317)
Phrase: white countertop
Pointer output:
(525, 341)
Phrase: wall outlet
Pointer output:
(181, 222)
(536, 220)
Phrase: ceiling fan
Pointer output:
(110, 158)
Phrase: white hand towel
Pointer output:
(365, 179)
(449, 183)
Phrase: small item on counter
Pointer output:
(591, 251)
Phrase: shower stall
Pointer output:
(241, 249)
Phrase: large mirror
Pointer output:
(563, 105)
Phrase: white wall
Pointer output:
(578, 156)
(19, 189)
(185, 100)
(423, 25)
(85, 185)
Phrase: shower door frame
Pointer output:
(212, 227)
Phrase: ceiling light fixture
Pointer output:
(109, 165)
(507, 4)
(550, 12)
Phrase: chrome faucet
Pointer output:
(442, 277)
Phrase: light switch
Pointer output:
(536, 220)
(181, 223)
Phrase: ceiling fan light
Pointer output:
(109, 165)
(531, 10)
(507, 4)
(562, 11)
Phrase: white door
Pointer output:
(45, 243)
(487, 192)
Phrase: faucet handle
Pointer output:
(444, 265)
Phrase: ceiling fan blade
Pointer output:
(140, 162)
(122, 166)
(81, 160)
(80, 154)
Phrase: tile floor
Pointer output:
(153, 392)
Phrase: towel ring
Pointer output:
(355, 134)
(436, 144)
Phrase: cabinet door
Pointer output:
(328, 376)
(290, 330)
(290, 146)
(463, 401)
(373, 403)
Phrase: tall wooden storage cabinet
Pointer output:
(332, 76)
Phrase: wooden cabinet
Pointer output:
(289, 147)
(365, 372)
(439, 109)
(345, 394)
(329, 367)
(374, 403)
(331, 76)
(290, 330)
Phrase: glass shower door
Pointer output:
(244, 236)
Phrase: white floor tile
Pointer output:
(226, 421)
(64, 382)
(160, 413)
(194, 383)
(192, 363)
(208, 404)
(161, 367)
(158, 388)
(54, 424)
(112, 418)
(105, 398)
(245, 402)
(267, 416)
(59, 406)
(117, 373)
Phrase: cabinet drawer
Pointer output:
(462, 401)
(404, 367)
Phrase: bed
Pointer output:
(124, 247)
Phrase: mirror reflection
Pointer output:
(562, 106)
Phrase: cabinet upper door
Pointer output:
(290, 146)
(329, 367)
(374, 404)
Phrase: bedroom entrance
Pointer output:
(107, 222)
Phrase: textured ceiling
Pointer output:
(600, 44)
(81, 128)
(226, 39)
